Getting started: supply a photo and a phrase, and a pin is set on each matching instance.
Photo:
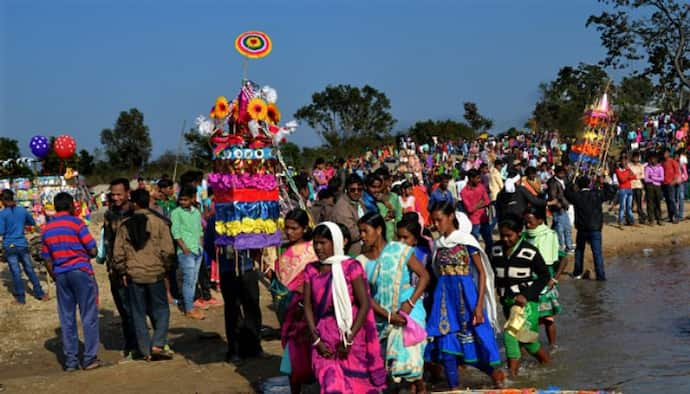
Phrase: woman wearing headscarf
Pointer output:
(462, 323)
(546, 241)
(346, 355)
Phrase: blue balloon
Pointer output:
(40, 146)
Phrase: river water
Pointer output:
(629, 334)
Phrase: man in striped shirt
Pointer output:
(67, 249)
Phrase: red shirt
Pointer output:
(671, 171)
(625, 178)
(471, 197)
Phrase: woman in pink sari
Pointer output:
(347, 355)
(289, 270)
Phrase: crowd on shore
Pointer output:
(394, 267)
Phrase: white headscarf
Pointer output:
(510, 183)
(341, 297)
(464, 237)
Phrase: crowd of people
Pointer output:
(394, 267)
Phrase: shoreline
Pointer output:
(30, 344)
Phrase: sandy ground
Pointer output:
(30, 347)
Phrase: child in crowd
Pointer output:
(187, 230)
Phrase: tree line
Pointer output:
(649, 37)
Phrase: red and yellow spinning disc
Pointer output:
(253, 44)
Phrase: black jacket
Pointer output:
(516, 203)
(524, 272)
(557, 192)
(589, 215)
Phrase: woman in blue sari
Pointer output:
(462, 323)
(389, 266)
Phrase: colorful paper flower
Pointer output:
(235, 110)
(257, 109)
(222, 109)
(273, 114)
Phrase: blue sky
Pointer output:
(72, 66)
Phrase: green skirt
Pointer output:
(548, 300)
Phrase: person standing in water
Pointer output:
(462, 322)
(546, 241)
(520, 277)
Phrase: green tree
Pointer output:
(291, 154)
(342, 113)
(476, 121)
(165, 163)
(564, 100)
(423, 131)
(631, 97)
(198, 148)
(9, 152)
(656, 32)
(9, 149)
(128, 144)
(86, 163)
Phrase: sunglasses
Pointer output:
(355, 189)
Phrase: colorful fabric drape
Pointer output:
(389, 278)
(363, 370)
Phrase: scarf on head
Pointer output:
(341, 297)
(545, 240)
(464, 223)
(460, 237)
(510, 183)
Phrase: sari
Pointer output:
(390, 278)
(363, 370)
(294, 333)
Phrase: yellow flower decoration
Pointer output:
(222, 109)
(220, 228)
(273, 114)
(247, 226)
(257, 109)
(233, 228)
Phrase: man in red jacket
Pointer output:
(668, 187)
(625, 177)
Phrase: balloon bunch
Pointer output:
(64, 146)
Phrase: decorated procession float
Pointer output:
(589, 153)
(249, 178)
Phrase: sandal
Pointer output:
(162, 354)
(94, 365)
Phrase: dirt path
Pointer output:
(30, 348)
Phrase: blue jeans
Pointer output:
(189, 266)
(152, 300)
(561, 224)
(484, 230)
(18, 257)
(594, 240)
(680, 199)
(78, 288)
(625, 206)
(670, 197)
